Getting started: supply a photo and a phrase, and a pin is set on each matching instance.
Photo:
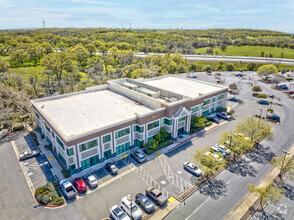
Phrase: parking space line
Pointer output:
(28, 180)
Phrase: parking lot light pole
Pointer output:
(130, 199)
(285, 153)
(260, 113)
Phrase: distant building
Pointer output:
(85, 128)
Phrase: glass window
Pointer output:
(213, 99)
(206, 102)
(89, 162)
(70, 152)
(88, 145)
(220, 97)
(138, 128)
(138, 143)
(106, 139)
(72, 168)
(182, 118)
(53, 135)
(167, 121)
(195, 109)
(47, 127)
(122, 148)
(61, 158)
(59, 142)
(153, 125)
(122, 133)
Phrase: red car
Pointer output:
(80, 185)
(290, 92)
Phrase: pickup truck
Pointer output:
(156, 195)
(68, 189)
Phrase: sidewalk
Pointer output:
(56, 168)
(244, 209)
(171, 205)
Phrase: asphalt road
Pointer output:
(218, 197)
(231, 59)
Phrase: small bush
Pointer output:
(65, 173)
(163, 144)
(289, 79)
(270, 110)
(18, 128)
(45, 199)
(231, 112)
(58, 201)
(208, 123)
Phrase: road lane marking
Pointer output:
(198, 208)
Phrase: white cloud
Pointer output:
(90, 2)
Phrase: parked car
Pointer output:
(117, 213)
(217, 157)
(28, 154)
(138, 156)
(214, 119)
(156, 195)
(263, 102)
(68, 189)
(80, 185)
(194, 76)
(111, 168)
(255, 94)
(131, 208)
(239, 75)
(223, 149)
(145, 203)
(192, 168)
(283, 86)
(233, 99)
(273, 117)
(91, 180)
(290, 92)
(224, 115)
(217, 150)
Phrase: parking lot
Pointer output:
(38, 168)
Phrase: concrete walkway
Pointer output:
(172, 203)
(243, 209)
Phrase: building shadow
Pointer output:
(179, 149)
(289, 191)
(262, 155)
(214, 188)
(242, 167)
(263, 215)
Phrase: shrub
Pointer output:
(45, 199)
(65, 173)
(270, 110)
(208, 123)
(163, 144)
(18, 128)
(58, 201)
(289, 79)
(231, 112)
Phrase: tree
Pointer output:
(207, 163)
(81, 53)
(262, 53)
(261, 96)
(198, 121)
(251, 66)
(233, 86)
(3, 65)
(59, 64)
(229, 67)
(256, 129)
(268, 192)
(223, 47)
(285, 164)
(158, 137)
(256, 89)
(208, 68)
(48, 48)
(91, 48)
(18, 57)
(267, 70)
(153, 143)
(209, 51)
(282, 54)
(237, 142)
(35, 52)
(163, 133)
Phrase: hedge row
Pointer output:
(18, 128)
(163, 144)
(49, 195)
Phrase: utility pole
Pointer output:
(184, 195)
(43, 23)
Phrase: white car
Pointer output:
(224, 115)
(118, 214)
(131, 208)
(192, 168)
(223, 149)
(68, 189)
(91, 180)
(217, 157)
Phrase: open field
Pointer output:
(252, 51)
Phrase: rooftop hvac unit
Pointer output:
(148, 92)
(130, 86)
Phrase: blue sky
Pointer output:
(187, 14)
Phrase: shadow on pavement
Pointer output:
(261, 155)
(262, 215)
(214, 188)
(242, 167)
(289, 191)
(179, 149)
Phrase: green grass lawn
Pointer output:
(252, 51)
(26, 72)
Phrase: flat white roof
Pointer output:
(82, 113)
(187, 87)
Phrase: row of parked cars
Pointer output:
(70, 189)
(129, 209)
